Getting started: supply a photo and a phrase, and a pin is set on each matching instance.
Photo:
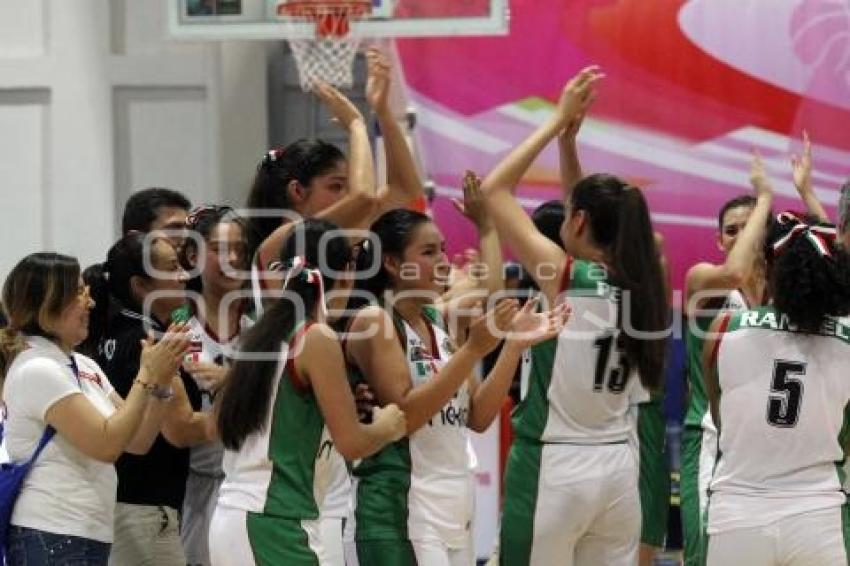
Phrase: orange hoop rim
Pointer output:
(349, 9)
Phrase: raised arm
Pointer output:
(802, 170)
(512, 223)
(571, 172)
(490, 249)
(484, 271)
(356, 208)
(746, 252)
(321, 363)
(404, 187)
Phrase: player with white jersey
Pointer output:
(571, 494)
(414, 499)
(710, 289)
(205, 460)
(783, 416)
(286, 408)
(216, 320)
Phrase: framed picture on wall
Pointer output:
(195, 8)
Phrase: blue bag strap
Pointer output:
(45, 438)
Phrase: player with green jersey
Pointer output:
(283, 410)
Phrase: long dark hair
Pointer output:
(392, 231)
(35, 293)
(301, 161)
(620, 225)
(808, 276)
(246, 395)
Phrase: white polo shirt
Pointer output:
(66, 492)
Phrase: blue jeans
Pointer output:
(31, 547)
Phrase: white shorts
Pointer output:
(276, 540)
(808, 539)
(570, 504)
(435, 553)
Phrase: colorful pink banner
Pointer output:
(691, 87)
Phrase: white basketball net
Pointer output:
(329, 55)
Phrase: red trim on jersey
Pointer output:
(506, 440)
(297, 380)
(208, 329)
(715, 348)
(211, 333)
(566, 275)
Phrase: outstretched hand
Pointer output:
(473, 200)
(802, 167)
(378, 81)
(338, 104)
(487, 330)
(577, 96)
(758, 176)
(529, 328)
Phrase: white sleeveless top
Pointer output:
(782, 411)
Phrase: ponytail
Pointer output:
(247, 392)
(637, 269)
(620, 225)
(245, 398)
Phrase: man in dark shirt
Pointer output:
(151, 488)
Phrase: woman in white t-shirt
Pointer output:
(65, 508)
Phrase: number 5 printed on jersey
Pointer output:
(783, 405)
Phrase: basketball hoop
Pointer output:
(327, 54)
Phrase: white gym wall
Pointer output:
(96, 101)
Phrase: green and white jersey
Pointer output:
(784, 419)
(580, 382)
(697, 414)
(420, 486)
(284, 469)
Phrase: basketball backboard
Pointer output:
(259, 19)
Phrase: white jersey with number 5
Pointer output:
(783, 419)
